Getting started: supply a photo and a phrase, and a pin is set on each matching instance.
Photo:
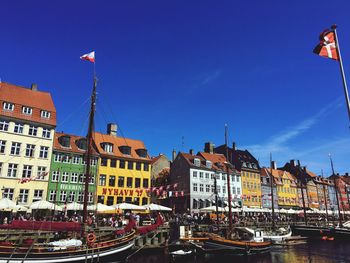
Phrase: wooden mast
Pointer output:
(89, 149)
(336, 190)
(272, 197)
(228, 185)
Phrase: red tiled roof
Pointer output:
(311, 174)
(100, 138)
(73, 147)
(21, 96)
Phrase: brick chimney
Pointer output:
(112, 129)
(173, 155)
(209, 147)
(293, 163)
(234, 146)
(274, 165)
(191, 151)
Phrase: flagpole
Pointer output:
(334, 27)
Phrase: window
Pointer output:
(15, 148)
(81, 197)
(46, 133)
(129, 182)
(223, 177)
(137, 182)
(107, 147)
(71, 197)
(41, 173)
(145, 183)
(201, 188)
(2, 146)
(195, 174)
(138, 166)
(122, 164)
(233, 190)
(207, 188)
(100, 199)
(33, 130)
(144, 201)
(44, 152)
(23, 196)
(113, 163)
(102, 180)
(128, 200)
(195, 187)
(81, 178)
(38, 195)
(12, 170)
(8, 106)
(110, 200)
(27, 110)
(45, 114)
(1, 169)
(195, 204)
(104, 161)
(238, 191)
(197, 162)
(136, 200)
(212, 188)
(63, 196)
(130, 165)
(76, 159)
(145, 167)
(119, 199)
(218, 189)
(206, 175)
(58, 157)
(27, 171)
(208, 164)
(237, 179)
(30, 150)
(8, 193)
(201, 175)
(212, 176)
(111, 181)
(55, 176)
(224, 190)
(74, 178)
(18, 128)
(65, 158)
(65, 177)
(90, 197)
(120, 181)
(4, 125)
(52, 195)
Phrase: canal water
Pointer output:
(315, 251)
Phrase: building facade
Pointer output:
(27, 126)
(124, 169)
(249, 169)
(68, 169)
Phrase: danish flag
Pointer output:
(327, 47)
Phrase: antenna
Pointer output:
(226, 139)
(182, 142)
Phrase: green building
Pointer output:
(67, 173)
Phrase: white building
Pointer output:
(27, 123)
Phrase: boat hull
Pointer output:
(310, 231)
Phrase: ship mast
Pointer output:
(228, 185)
(336, 190)
(89, 149)
(272, 197)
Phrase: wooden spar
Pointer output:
(272, 197)
(228, 184)
(336, 191)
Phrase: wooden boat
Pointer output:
(275, 237)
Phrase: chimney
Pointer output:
(209, 147)
(112, 129)
(173, 155)
(304, 168)
(293, 163)
(346, 174)
(234, 146)
(191, 151)
(34, 87)
(274, 165)
(298, 162)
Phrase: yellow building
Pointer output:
(287, 192)
(251, 188)
(27, 123)
(124, 170)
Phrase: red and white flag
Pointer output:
(89, 57)
(327, 47)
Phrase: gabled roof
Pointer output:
(73, 146)
(21, 96)
(190, 160)
(100, 138)
(215, 159)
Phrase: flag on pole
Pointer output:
(89, 57)
(327, 47)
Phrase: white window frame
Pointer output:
(52, 195)
(74, 178)
(45, 114)
(18, 128)
(63, 196)
(33, 130)
(76, 159)
(15, 148)
(8, 106)
(23, 196)
(44, 152)
(55, 176)
(12, 170)
(38, 195)
(46, 133)
(27, 171)
(71, 197)
(8, 193)
(4, 125)
(27, 110)
(65, 177)
(41, 173)
(30, 150)
(195, 187)
(2, 146)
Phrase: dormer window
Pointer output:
(255, 166)
(142, 153)
(249, 165)
(107, 147)
(27, 110)
(8, 106)
(197, 162)
(45, 114)
(125, 149)
(64, 141)
(81, 143)
(244, 164)
(208, 164)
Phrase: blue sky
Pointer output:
(173, 69)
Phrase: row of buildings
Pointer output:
(37, 162)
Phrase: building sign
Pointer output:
(122, 192)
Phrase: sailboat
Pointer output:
(90, 244)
